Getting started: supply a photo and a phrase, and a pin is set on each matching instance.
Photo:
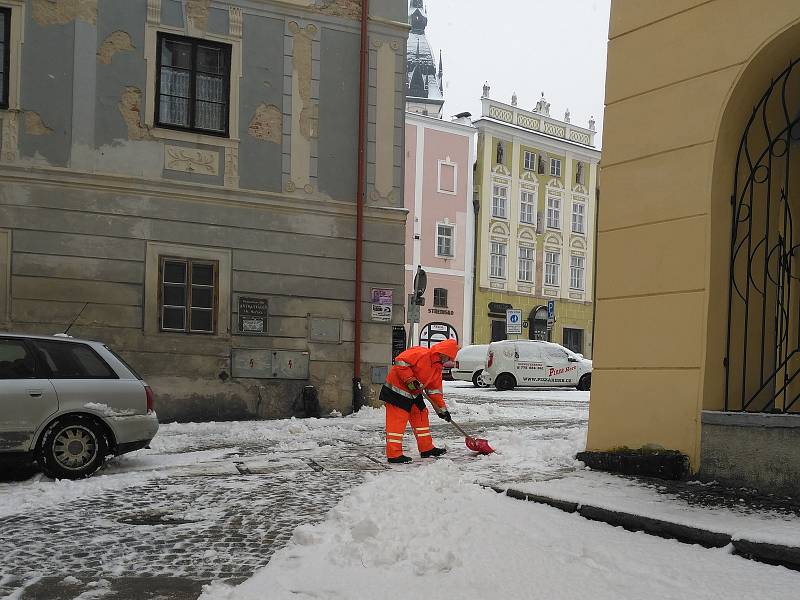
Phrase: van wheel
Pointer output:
(72, 447)
(585, 383)
(505, 382)
(476, 378)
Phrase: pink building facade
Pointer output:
(440, 231)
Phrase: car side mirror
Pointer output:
(572, 359)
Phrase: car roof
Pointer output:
(55, 338)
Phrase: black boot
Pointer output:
(434, 452)
(399, 460)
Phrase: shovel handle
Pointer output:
(438, 412)
(464, 433)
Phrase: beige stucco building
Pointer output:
(697, 293)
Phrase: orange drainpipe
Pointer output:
(362, 167)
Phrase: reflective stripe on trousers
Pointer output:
(396, 422)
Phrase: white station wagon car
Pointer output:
(68, 403)
(524, 363)
(469, 363)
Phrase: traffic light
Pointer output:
(420, 283)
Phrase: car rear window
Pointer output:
(127, 366)
(73, 361)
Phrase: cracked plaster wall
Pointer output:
(118, 41)
(61, 12)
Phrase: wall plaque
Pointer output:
(253, 315)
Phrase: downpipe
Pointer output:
(358, 392)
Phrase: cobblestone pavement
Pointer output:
(222, 518)
(165, 537)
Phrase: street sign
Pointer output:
(551, 314)
(513, 321)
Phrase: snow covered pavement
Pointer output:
(214, 501)
(309, 509)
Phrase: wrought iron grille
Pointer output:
(762, 361)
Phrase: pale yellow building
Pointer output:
(697, 312)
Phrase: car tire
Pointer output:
(585, 383)
(505, 382)
(476, 378)
(72, 447)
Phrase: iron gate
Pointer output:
(762, 360)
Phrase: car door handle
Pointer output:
(35, 393)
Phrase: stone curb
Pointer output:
(773, 554)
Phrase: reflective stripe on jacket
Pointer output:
(422, 365)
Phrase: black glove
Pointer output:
(445, 415)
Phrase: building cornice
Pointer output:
(537, 138)
(166, 188)
(308, 7)
(440, 124)
(536, 122)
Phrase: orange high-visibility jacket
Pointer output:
(422, 365)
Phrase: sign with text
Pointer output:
(253, 314)
(382, 304)
(513, 321)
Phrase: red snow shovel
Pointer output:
(479, 445)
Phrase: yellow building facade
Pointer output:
(697, 296)
(535, 184)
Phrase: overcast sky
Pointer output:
(529, 46)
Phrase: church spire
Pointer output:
(425, 88)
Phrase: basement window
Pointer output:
(189, 295)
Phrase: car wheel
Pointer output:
(585, 383)
(505, 382)
(72, 447)
(476, 378)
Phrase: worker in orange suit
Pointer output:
(415, 370)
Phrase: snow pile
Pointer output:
(426, 532)
(106, 410)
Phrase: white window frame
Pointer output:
(530, 264)
(577, 272)
(501, 263)
(553, 213)
(495, 187)
(530, 201)
(447, 162)
(552, 269)
(578, 216)
(452, 236)
(529, 165)
(555, 167)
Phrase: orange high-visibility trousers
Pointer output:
(396, 421)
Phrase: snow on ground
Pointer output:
(429, 532)
(616, 493)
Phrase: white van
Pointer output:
(469, 363)
(525, 363)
